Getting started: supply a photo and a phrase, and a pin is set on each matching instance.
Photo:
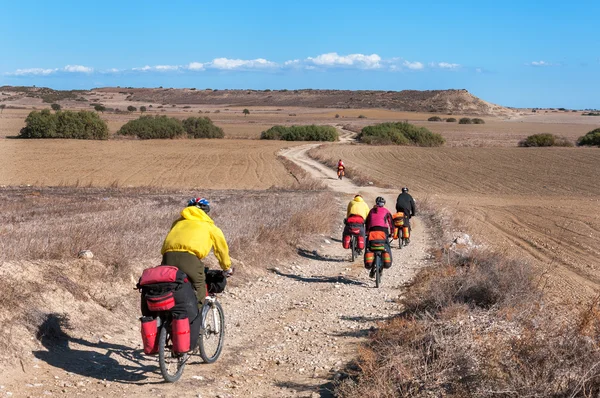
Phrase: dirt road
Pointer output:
(288, 333)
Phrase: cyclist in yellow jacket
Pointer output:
(358, 207)
(356, 214)
(190, 239)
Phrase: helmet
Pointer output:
(201, 203)
(404, 189)
(380, 201)
(357, 196)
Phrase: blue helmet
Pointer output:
(201, 203)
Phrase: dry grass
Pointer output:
(42, 230)
(304, 181)
(478, 327)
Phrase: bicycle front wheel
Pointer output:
(171, 364)
(212, 331)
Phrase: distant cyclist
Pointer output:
(406, 204)
(356, 214)
(380, 219)
(341, 169)
(190, 239)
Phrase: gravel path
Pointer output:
(288, 333)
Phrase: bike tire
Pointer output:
(166, 355)
(353, 247)
(208, 332)
(378, 271)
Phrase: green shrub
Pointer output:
(300, 133)
(465, 120)
(84, 125)
(362, 117)
(400, 133)
(544, 139)
(451, 120)
(131, 108)
(591, 114)
(202, 127)
(148, 127)
(478, 121)
(55, 107)
(434, 119)
(143, 109)
(99, 108)
(590, 139)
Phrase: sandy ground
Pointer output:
(288, 334)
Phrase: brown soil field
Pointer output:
(539, 204)
(215, 164)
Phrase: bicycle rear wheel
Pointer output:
(212, 331)
(171, 364)
(377, 270)
(353, 247)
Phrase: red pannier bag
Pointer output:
(149, 335)
(360, 242)
(346, 242)
(180, 334)
(354, 219)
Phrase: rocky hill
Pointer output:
(438, 101)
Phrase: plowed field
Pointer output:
(540, 204)
(216, 164)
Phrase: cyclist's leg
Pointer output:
(193, 268)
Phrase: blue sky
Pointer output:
(526, 53)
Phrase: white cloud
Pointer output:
(325, 61)
(360, 61)
(446, 65)
(78, 69)
(233, 64)
(541, 64)
(33, 71)
(195, 66)
(166, 68)
(413, 65)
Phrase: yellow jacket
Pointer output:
(196, 233)
(358, 207)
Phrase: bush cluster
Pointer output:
(465, 120)
(84, 125)
(202, 127)
(149, 127)
(544, 139)
(451, 120)
(399, 133)
(300, 133)
(434, 119)
(590, 139)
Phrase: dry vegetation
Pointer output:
(43, 229)
(477, 325)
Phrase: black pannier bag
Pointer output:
(215, 281)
